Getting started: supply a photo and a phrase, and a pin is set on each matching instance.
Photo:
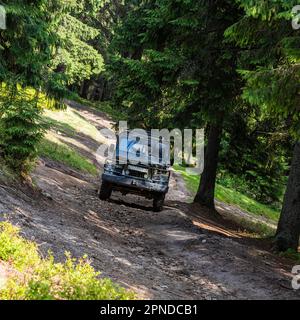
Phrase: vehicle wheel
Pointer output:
(105, 191)
(158, 202)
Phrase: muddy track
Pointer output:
(179, 253)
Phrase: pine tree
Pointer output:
(75, 56)
(25, 57)
(173, 68)
(270, 64)
(44, 49)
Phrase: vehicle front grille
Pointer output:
(136, 174)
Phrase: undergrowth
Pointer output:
(38, 278)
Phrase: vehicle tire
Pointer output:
(158, 202)
(105, 191)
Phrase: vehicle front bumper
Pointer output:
(133, 184)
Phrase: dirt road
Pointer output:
(180, 253)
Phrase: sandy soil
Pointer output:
(183, 252)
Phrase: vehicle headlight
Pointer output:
(109, 167)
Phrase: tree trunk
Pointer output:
(288, 231)
(206, 192)
(85, 89)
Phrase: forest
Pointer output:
(229, 66)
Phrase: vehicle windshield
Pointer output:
(151, 153)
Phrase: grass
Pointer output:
(245, 203)
(233, 197)
(255, 229)
(292, 255)
(105, 107)
(59, 126)
(37, 278)
(60, 152)
(71, 122)
(67, 121)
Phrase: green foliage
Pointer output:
(104, 106)
(291, 254)
(255, 153)
(269, 64)
(257, 228)
(66, 155)
(170, 64)
(23, 253)
(71, 122)
(25, 57)
(25, 44)
(142, 86)
(75, 57)
(234, 197)
(259, 187)
(226, 194)
(270, 57)
(45, 47)
(39, 278)
(21, 128)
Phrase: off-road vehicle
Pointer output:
(148, 176)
